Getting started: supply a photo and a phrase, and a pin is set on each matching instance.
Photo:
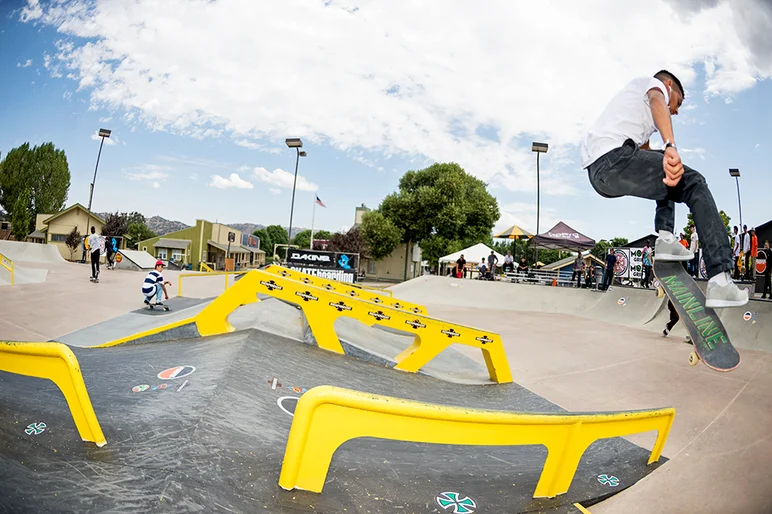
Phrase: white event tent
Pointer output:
(473, 255)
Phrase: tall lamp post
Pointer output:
(103, 133)
(297, 144)
(734, 172)
(539, 148)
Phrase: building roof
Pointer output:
(234, 247)
(68, 209)
(641, 241)
(37, 235)
(570, 260)
(179, 244)
(250, 249)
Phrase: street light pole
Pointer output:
(734, 172)
(539, 148)
(103, 133)
(297, 144)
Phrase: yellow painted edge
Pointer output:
(146, 333)
(582, 509)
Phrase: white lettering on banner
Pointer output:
(310, 257)
(564, 235)
(337, 275)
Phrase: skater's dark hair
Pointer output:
(93, 229)
(665, 75)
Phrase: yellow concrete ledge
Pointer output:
(7, 263)
(56, 362)
(326, 417)
(381, 297)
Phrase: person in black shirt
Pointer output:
(608, 275)
(461, 267)
(767, 272)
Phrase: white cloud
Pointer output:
(150, 172)
(156, 185)
(233, 181)
(758, 145)
(275, 191)
(106, 119)
(285, 179)
(194, 161)
(413, 86)
(693, 153)
(194, 176)
(26, 64)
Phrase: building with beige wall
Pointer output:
(391, 268)
(54, 228)
(206, 242)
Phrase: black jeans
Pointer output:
(673, 316)
(767, 285)
(630, 171)
(95, 264)
(608, 278)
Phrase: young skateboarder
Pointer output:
(154, 285)
(93, 243)
(619, 162)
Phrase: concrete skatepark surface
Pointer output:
(135, 260)
(578, 349)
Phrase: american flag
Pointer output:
(319, 202)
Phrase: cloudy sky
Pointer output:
(201, 94)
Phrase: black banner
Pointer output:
(327, 260)
(339, 275)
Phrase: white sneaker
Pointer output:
(727, 295)
(674, 251)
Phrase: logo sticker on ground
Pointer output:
(750, 316)
(622, 301)
(35, 428)
(611, 481)
(176, 372)
(140, 388)
(456, 501)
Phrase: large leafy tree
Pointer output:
(303, 238)
(42, 171)
(440, 207)
(277, 235)
(21, 216)
(381, 235)
(73, 241)
(137, 232)
(348, 242)
(116, 225)
(602, 246)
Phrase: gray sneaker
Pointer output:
(728, 295)
(674, 251)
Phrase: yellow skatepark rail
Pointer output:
(326, 417)
(322, 308)
(56, 362)
(205, 267)
(226, 273)
(352, 290)
(7, 263)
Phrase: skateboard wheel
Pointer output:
(694, 359)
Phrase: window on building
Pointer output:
(58, 238)
(162, 253)
(371, 267)
(177, 254)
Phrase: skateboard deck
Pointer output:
(710, 338)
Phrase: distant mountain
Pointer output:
(246, 228)
(163, 226)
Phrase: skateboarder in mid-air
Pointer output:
(620, 162)
(154, 285)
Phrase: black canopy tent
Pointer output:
(561, 237)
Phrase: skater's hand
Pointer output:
(167, 296)
(673, 167)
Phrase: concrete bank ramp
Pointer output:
(748, 327)
(23, 276)
(30, 252)
(135, 260)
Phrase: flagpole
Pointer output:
(313, 215)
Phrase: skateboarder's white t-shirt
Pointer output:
(627, 116)
(93, 243)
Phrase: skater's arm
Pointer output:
(660, 113)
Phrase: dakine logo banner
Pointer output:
(309, 257)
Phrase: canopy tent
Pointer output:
(514, 232)
(562, 237)
(473, 254)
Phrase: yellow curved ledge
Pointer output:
(7, 263)
(56, 362)
(326, 417)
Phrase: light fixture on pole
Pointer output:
(297, 144)
(539, 148)
(734, 172)
(103, 133)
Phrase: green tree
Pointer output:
(73, 241)
(380, 234)
(138, 232)
(116, 225)
(601, 247)
(302, 239)
(350, 242)
(439, 206)
(43, 171)
(21, 216)
(277, 235)
(724, 217)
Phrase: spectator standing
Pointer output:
(737, 248)
(647, 262)
(751, 258)
(693, 247)
(461, 267)
(767, 272)
(578, 269)
(746, 250)
(492, 261)
(608, 274)
(93, 244)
